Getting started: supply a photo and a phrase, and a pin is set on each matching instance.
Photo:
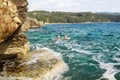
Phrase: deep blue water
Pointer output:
(92, 53)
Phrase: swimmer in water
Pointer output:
(66, 37)
(58, 37)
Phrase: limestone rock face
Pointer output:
(34, 23)
(12, 15)
(17, 44)
(21, 8)
(31, 23)
(8, 19)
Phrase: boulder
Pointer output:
(31, 23)
(42, 64)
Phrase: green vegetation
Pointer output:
(111, 17)
(72, 17)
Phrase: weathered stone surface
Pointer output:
(17, 44)
(21, 8)
(12, 14)
(8, 11)
(40, 64)
(34, 23)
(31, 23)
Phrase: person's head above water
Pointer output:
(58, 36)
(65, 37)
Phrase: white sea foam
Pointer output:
(82, 51)
(71, 56)
(55, 53)
(32, 30)
(97, 57)
(110, 70)
(36, 46)
(58, 41)
(117, 57)
(35, 57)
(109, 67)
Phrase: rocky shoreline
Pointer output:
(40, 64)
(17, 62)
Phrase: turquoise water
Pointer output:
(92, 53)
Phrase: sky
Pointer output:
(75, 5)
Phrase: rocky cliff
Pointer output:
(16, 62)
(13, 21)
(13, 14)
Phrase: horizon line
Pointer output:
(76, 11)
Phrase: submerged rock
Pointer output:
(40, 64)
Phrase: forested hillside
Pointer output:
(72, 17)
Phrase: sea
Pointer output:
(92, 52)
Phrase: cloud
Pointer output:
(75, 5)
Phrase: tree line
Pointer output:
(73, 17)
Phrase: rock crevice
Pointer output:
(13, 13)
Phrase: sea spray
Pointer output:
(42, 64)
(57, 72)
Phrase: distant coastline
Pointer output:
(79, 23)
(73, 17)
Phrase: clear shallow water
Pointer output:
(92, 53)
